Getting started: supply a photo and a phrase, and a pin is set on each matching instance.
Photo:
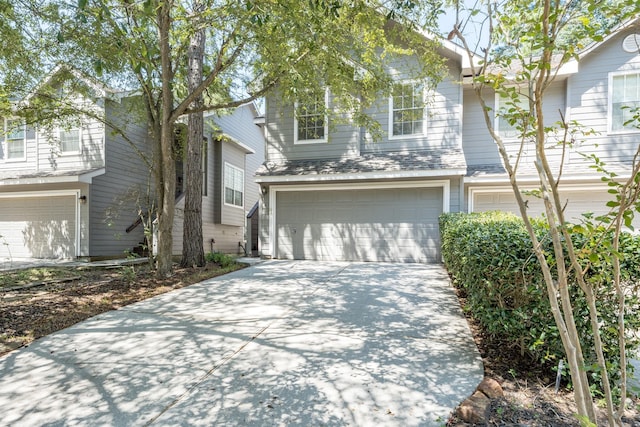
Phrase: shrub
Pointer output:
(223, 260)
(490, 256)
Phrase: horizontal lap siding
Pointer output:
(588, 100)
(117, 195)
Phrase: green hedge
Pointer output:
(489, 255)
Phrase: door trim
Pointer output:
(274, 189)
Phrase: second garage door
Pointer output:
(39, 227)
(390, 224)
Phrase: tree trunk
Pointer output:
(167, 167)
(192, 240)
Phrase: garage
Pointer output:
(577, 202)
(369, 224)
(38, 226)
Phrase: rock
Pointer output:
(474, 409)
(490, 388)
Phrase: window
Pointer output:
(205, 166)
(69, 140)
(233, 185)
(624, 97)
(14, 136)
(512, 117)
(407, 110)
(310, 124)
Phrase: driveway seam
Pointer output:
(225, 359)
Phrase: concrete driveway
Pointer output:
(278, 343)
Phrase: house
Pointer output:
(77, 188)
(70, 189)
(331, 193)
(234, 149)
(589, 91)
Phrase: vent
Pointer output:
(631, 43)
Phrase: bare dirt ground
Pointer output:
(37, 302)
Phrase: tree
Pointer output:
(254, 47)
(529, 43)
(192, 241)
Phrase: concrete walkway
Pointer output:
(278, 343)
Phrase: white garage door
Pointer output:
(577, 203)
(391, 224)
(39, 227)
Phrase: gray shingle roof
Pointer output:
(13, 175)
(444, 159)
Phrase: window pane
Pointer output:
(311, 121)
(15, 149)
(625, 97)
(408, 109)
(70, 140)
(234, 185)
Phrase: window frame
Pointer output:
(240, 171)
(60, 131)
(413, 83)
(498, 101)
(5, 140)
(324, 139)
(612, 76)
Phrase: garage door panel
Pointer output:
(368, 225)
(42, 227)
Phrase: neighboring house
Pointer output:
(64, 186)
(76, 189)
(234, 148)
(330, 193)
(589, 91)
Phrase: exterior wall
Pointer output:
(223, 226)
(116, 196)
(588, 99)
(477, 144)
(444, 111)
(343, 140)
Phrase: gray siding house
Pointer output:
(77, 189)
(234, 147)
(331, 193)
(65, 188)
(336, 195)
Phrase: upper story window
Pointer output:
(15, 139)
(69, 140)
(512, 116)
(624, 98)
(233, 185)
(407, 109)
(310, 125)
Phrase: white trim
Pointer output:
(274, 189)
(611, 76)
(5, 140)
(80, 135)
(424, 112)
(224, 185)
(361, 176)
(472, 191)
(55, 193)
(229, 138)
(324, 140)
(529, 179)
(85, 178)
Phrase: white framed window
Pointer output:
(310, 123)
(624, 97)
(70, 140)
(512, 108)
(407, 110)
(15, 140)
(233, 185)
